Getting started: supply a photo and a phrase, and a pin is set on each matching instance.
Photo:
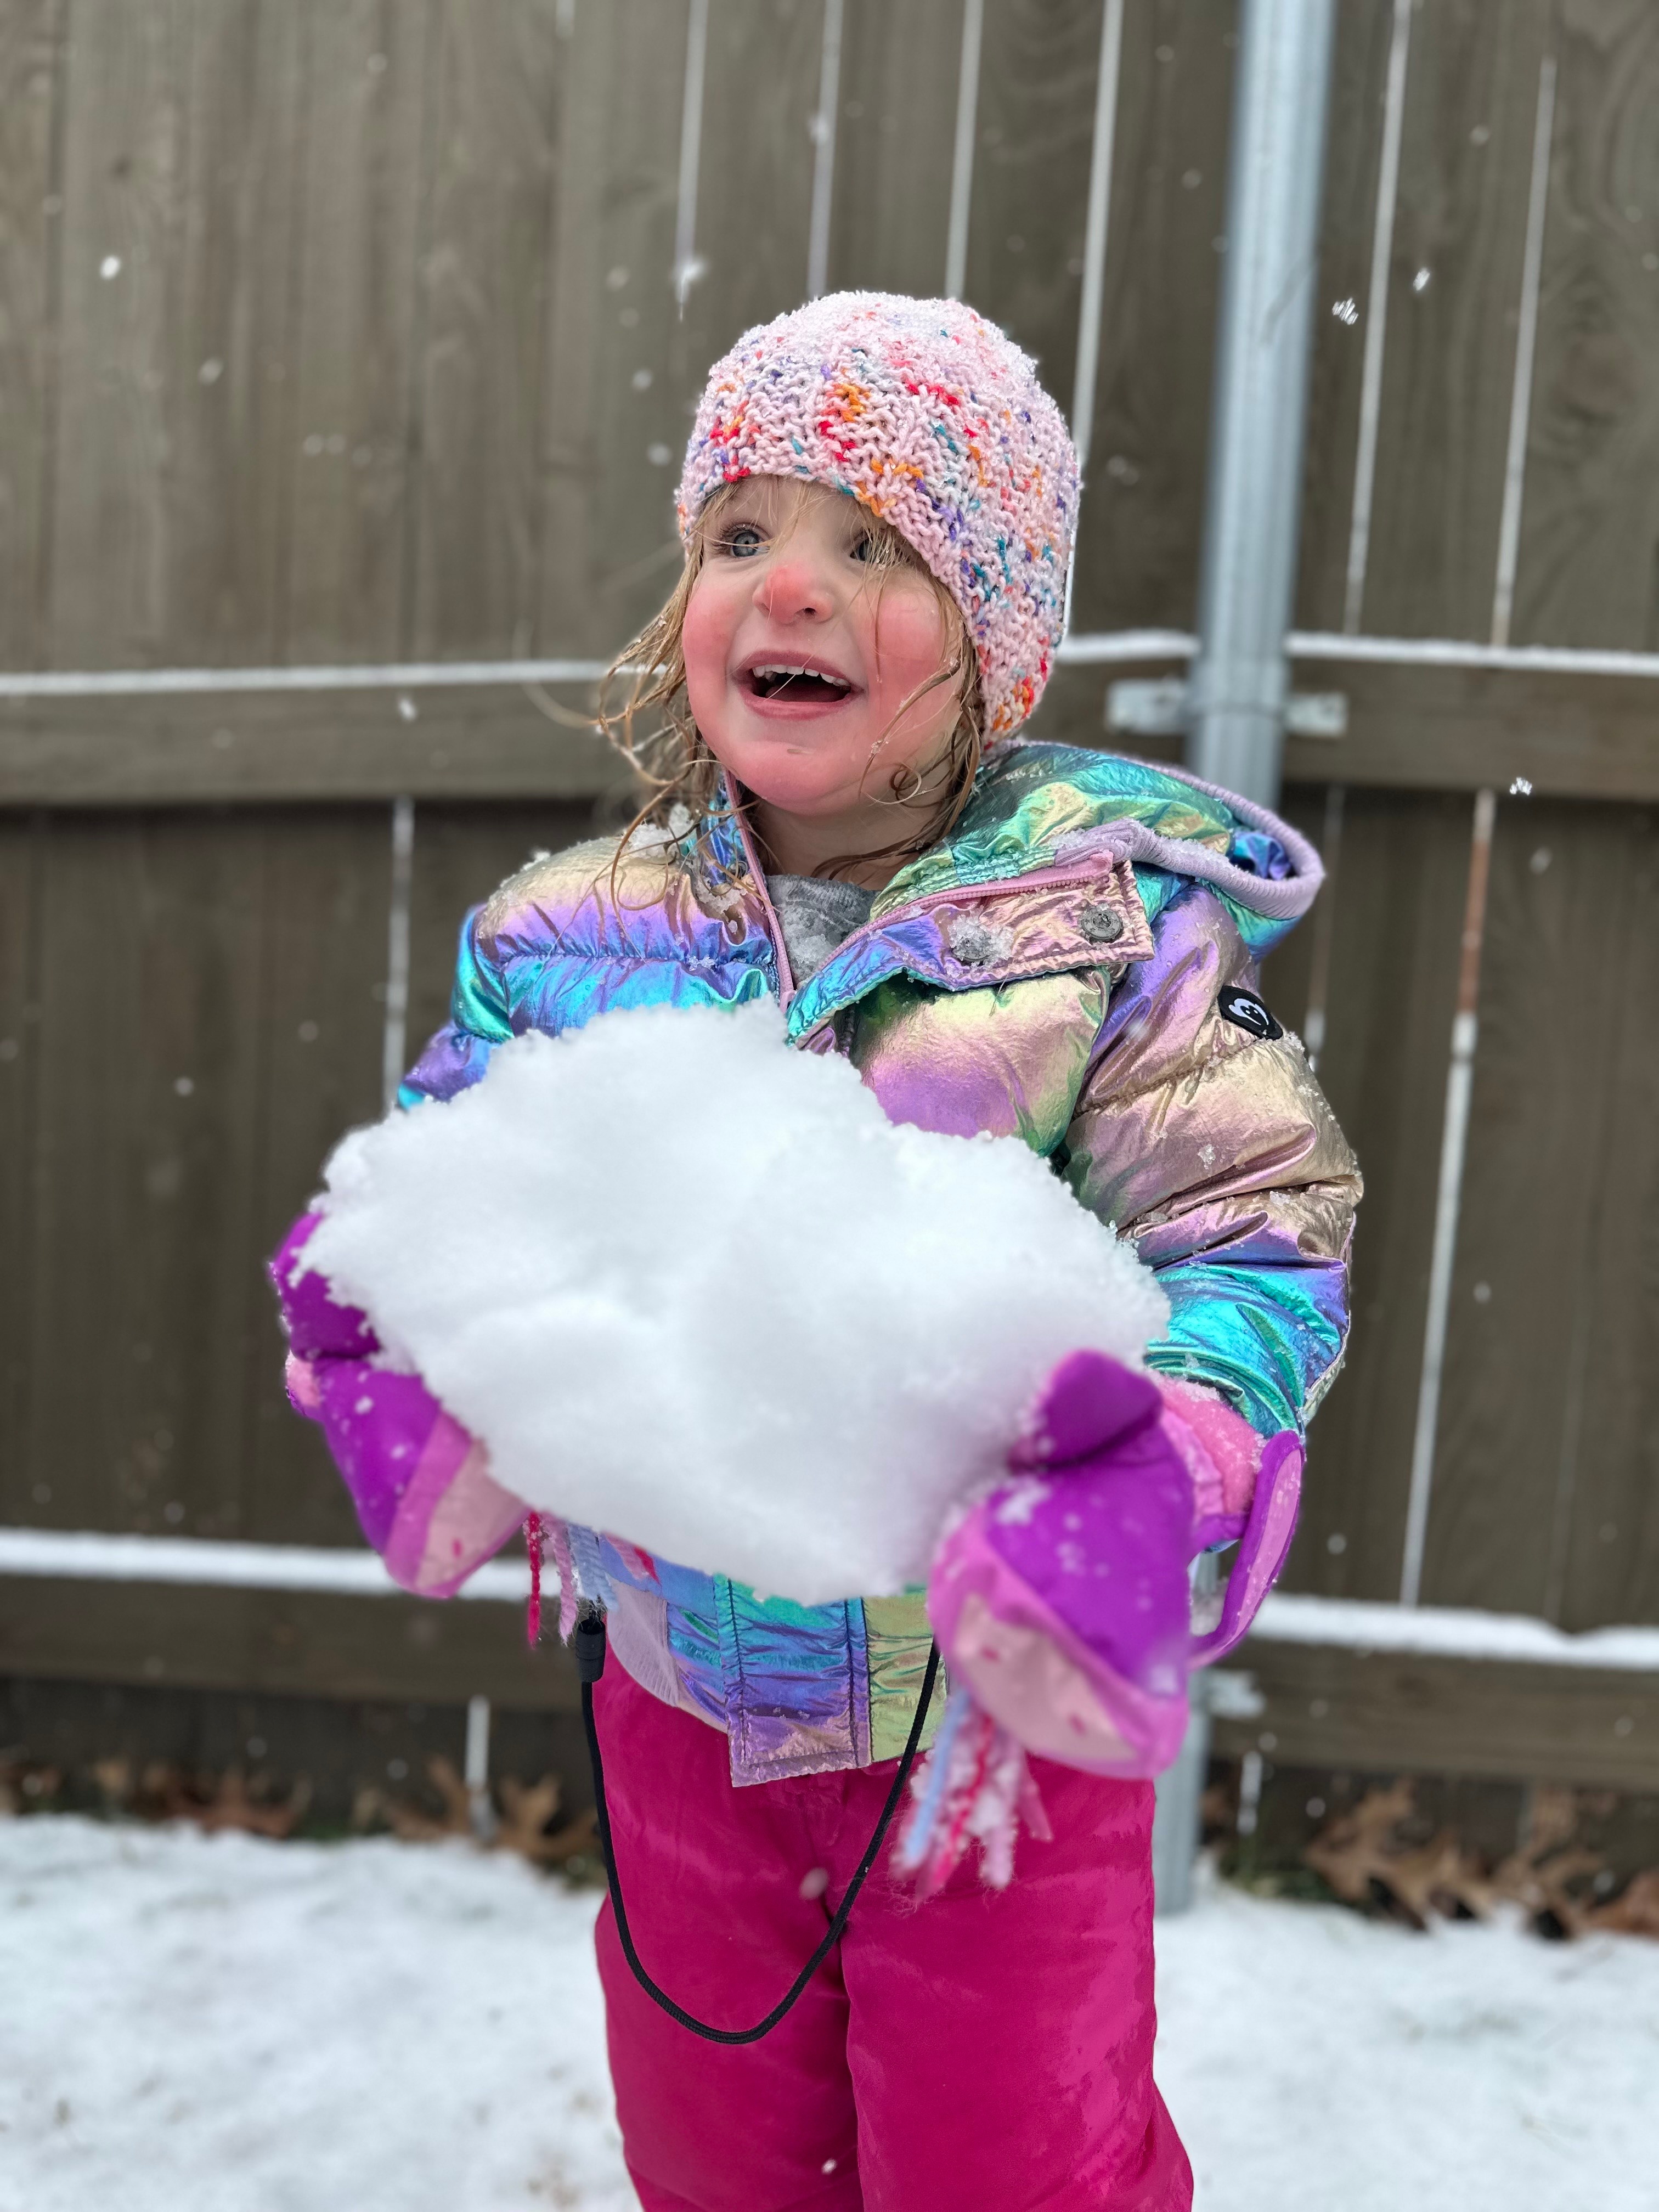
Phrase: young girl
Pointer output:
(877, 508)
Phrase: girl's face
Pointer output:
(798, 662)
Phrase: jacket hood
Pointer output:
(1038, 806)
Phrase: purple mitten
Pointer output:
(1061, 1600)
(420, 1483)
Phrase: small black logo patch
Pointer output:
(1246, 1012)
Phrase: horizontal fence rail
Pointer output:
(1443, 1632)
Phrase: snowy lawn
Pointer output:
(232, 2026)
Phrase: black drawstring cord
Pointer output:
(590, 1664)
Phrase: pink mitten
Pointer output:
(1062, 1602)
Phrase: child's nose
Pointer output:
(794, 588)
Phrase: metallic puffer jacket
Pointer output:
(1063, 967)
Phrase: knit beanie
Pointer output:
(933, 419)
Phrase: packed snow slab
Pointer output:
(691, 1286)
(226, 2025)
(1314, 2060)
(214, 2024)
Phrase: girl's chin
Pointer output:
(797, 778)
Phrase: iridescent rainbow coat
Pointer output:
(1075, 964)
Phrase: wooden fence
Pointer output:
(355, 335)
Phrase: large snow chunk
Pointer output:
(693, 1287)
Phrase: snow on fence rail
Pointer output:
(1084, 648)
(1350, 1624)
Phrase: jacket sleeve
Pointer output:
(1212, 1149)
(480, 1018)
(421, 1487)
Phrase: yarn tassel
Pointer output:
(975, 1787)
(532, 1619)
(568, 1593)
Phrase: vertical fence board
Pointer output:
(19, 1061)
(1471, 100)
(141, 1155)
(123, 151)
(319, 1014)
(1035, 134)
(1606, 1566)
(224, 470)
(1561, 1178)
(1397, 920)
(614, 417)
(1144, 490)
(754, 184)
(1352, 157)
(486, 275)
(352, 428)
(894, 134)
(169, 462)
(29, 229)
(1588, 569)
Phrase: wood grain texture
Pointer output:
(1396, 920)
(1605, 1565)
(21, 841)
(1387, 1713)
(170, 459)
(1143, 500)
(141, 1156)
(1033, 139)
(1359, 76)
(123, 152)
(486, 280)
(1466, 159)
(287, 1642)
(1589, 570)
(474, 741)
(1544, 1469)
(318, 1019)
(618, 386)
(894, 134)
(1427, 728)
(207, 1028)
(31, 61)
(755, 186)
(366, 88)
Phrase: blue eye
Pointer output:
(743, 543)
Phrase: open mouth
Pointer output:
(794, 684)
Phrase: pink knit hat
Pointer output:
(935, 420)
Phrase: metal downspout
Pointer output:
(1240, 682)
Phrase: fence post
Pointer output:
(1240, 682)
(1235, 704)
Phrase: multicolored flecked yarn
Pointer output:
(935, 420)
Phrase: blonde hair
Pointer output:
(671, 758)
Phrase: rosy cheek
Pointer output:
(705, 642)
(908, 646)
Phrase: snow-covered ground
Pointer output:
(231, 2026)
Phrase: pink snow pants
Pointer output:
(987, 2051)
